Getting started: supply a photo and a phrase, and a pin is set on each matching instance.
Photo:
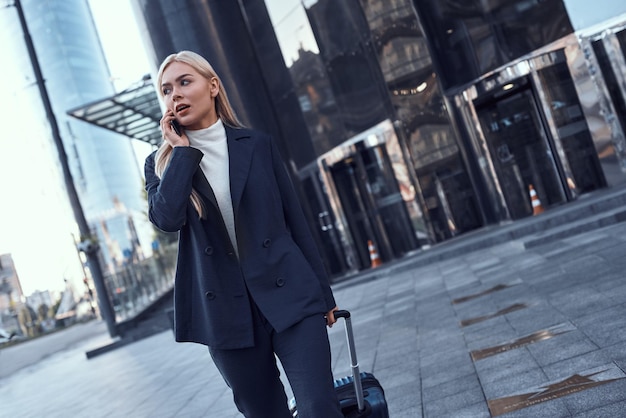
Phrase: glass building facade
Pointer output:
(409, 123)
(103, 164)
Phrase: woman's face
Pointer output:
(189, 95)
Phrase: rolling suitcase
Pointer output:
(360, 395)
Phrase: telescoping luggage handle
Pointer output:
(356, 374)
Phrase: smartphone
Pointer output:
(176, 127)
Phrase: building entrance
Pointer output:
(324, 225)
(373, 204)
(521, 152)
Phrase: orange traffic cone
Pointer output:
(534, 199)
(374, 257)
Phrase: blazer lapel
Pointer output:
(240, 156)
(202, 186)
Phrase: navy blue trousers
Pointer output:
(304, 353)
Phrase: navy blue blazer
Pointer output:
(279, 265)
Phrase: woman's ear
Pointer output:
(214, 86)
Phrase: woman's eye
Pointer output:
(166, 91)
(184, 82)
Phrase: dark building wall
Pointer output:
(342, 35)
(296, 139)
(421, 115)
(316, 100)
(471, 38)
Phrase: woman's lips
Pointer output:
(181, 108)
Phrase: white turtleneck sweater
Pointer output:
(214, 164)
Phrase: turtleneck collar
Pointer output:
(212, 134)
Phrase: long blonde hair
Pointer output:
(222, 107)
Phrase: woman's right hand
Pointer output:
(169, 135)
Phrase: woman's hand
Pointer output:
(330, 317)
(169, 135)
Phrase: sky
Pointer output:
(291, 27)
(36, 221)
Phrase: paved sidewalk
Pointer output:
(526, 332)
(16, 357)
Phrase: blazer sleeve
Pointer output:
(168, 197)
(298, 226)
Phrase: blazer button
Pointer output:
(267, 242)
(208, 250)
(210, 295)
(280, 282)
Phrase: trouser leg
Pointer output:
(253, 376)
(304, 352)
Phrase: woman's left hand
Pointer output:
(330, 317)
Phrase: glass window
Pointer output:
(472, 38)
(610, 78)
(572, 128)
(342, 35)
(416, 97)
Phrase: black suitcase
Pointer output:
(360, 395)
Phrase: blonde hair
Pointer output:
(222, 107)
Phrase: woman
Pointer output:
(250, 283)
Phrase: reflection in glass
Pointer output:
(342, 37)
(291, 27)
(609, 156)
(345, 178)
(140, 282)
(323, 225)
(572, 127)
(471, 38)
(520, 151)
(317, 101)
(621, 37)
(416, 97)
(374, 65)
(369, 192)
(309, 77)
(387, 198)
(620, 99)
(372, 195)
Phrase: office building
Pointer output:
(408, 123)
(11, 294)
(103, 164)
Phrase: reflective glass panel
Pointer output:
(573, 130)
(416, 96)
(472, 37)
(610, 78)
(520, 152)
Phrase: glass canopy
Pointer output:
(134, 112)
